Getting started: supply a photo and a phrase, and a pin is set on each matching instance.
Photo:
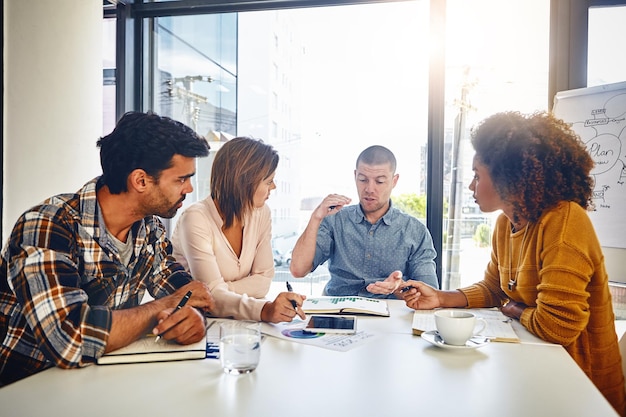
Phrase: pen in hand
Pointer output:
(178, 307)
(293, 302)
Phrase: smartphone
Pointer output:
(331, 324)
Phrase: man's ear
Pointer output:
(138, 180)
(395, 179)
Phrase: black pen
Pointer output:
(405, 289)
(178, 307)
(293, 302)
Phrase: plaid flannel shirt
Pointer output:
(60, 277)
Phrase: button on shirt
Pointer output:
(360, 253)
(60, 277)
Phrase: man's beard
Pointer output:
(162, 208)
(172, 210)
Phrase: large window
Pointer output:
(337, 92)
(319, 97)
(606, 62)
(191, 75)
(108, 75)
(321, 84)
(494, 63)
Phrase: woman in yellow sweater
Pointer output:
(547, 267)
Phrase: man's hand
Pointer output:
(304, 250)
(388, 286)
(330, 205)
(187, 324)
(201, 296)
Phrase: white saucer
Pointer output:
(473, 343)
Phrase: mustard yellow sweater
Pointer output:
(563, 281)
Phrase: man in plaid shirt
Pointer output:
(76, 267)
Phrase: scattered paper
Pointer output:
(294, 332)
(498, 329)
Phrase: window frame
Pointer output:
(567, 58)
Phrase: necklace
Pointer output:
(513, 280)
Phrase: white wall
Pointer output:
(52, 113)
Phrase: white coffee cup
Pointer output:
(457, 326)
(240, 346)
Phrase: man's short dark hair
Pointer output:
(377, 155)
(145, 141)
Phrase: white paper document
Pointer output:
(498, 326)
(294, 332)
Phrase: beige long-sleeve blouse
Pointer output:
(238, 284)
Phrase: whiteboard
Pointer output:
(598, 116)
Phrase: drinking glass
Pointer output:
(240, 346)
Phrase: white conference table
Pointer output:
(394, 374)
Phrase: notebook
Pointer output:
(147, 350)
(343, 305)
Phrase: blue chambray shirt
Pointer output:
(360, 253)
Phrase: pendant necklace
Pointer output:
(513, 280)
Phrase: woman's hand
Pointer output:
(513, 309)
(285, 307)
(419, 296)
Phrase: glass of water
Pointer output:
(240, 346)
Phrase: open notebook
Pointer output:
(345, 305)
(147, 350)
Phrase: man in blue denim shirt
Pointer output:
(372, 247)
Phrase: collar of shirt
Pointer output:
(387, 218)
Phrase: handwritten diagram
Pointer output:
(598, 115)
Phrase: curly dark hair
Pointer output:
(535, 161)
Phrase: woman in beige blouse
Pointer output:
(225, 239)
